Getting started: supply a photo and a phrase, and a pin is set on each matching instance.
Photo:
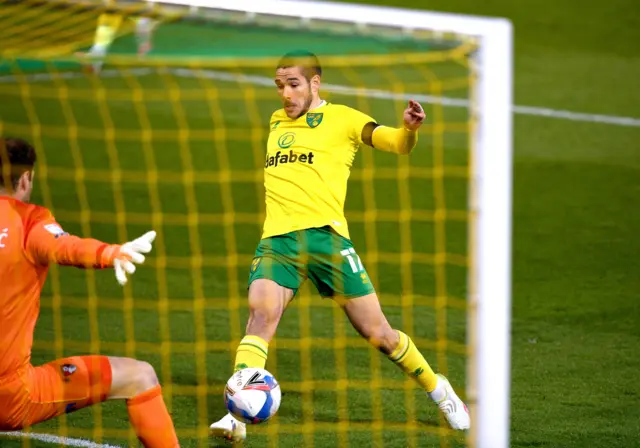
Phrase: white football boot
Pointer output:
(453, 408)
(229, 428)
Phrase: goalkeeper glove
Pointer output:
(129, 253)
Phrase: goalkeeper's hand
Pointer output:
(130, 254)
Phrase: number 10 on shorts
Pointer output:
(352, 257)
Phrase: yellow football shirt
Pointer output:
(108, 24)
(307, 166)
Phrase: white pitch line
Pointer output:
(264, 81)
(50, 438)
(429, 99)
(72, 75)
(577, 116)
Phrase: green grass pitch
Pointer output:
(575, 309)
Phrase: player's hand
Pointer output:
(130, 254)
(413, 116)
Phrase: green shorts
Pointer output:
(320, 254)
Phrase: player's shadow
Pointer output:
(291, 412)
(218, 443)
(327, 412)
(426, 423)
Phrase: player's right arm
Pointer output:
(46, 243)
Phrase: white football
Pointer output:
(252, 395)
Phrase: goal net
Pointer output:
(175, 141)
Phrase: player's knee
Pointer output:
(263, 321)
(130, 377)
(266, 305)
(145, 376)
(266, 311)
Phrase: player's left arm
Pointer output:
(397, 140)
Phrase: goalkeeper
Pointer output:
(310, 150)
(31, 240)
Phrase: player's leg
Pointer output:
(137, 383)
(106, 30)
(144, 33)
(368, 319)
(102, 41)
(274, 278)
(70, 384)
(338, 272)
(267, 302)
(273, 281)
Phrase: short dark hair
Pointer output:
(16, 158)
(304, 59)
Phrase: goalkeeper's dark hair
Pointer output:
(307, 61)
(16, 158)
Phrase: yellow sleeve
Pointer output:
(110, 20)
(108, 25)
(396, 140)
(358, 120)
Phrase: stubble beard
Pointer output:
(307, 104)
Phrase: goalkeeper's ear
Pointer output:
(367, 133)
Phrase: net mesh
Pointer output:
(175, 142)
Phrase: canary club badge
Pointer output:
(314, 119)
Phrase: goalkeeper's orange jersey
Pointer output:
(30, 239)
(307, 167)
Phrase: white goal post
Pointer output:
(490, 206)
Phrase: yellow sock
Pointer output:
(252, 352)
(410, 360)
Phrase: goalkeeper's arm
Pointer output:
(47, 243)
(397, 140)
